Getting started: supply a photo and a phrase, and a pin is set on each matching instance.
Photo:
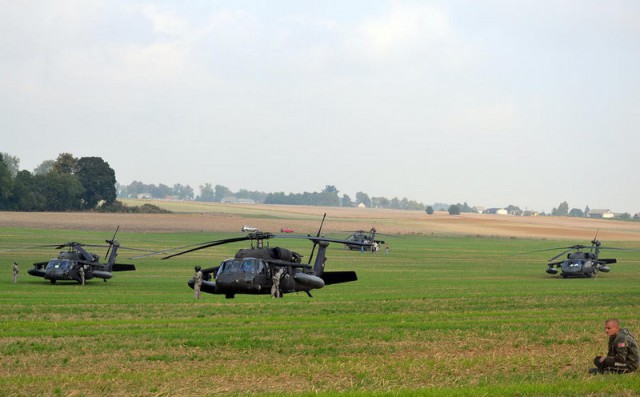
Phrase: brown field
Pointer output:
(306, 219)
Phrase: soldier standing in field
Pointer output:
(622, 356)
(197, 282)
(16, 270)
(81, 273)
(275, 287)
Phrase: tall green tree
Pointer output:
(576, 212)
(221, 192)
(44, 168)
(363, 198)
(206, 193)
(66, 164)
(6, 184)
(563, 209)
(26, 194)
(454, 209)
(346, 200)
(98, 180)
(12, 162)
(62, 192)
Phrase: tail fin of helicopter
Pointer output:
(318, 266)
(595, 243)
(112, 253)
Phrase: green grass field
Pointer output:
(438, 316)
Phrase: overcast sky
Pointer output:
(494, 103)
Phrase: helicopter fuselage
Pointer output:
(66, 267)
(251, 275)
(580, 265)
(66, 270)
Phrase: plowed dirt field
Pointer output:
(306, 219)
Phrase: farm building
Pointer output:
(600, 214)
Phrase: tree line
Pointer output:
(327, 197)
(65, 184)
(69, 183)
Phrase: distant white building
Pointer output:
(235, 200)
(606, 214)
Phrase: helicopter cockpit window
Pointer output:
(224, 267)
(248, 266)
(63, 264)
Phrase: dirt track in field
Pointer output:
(305, 219)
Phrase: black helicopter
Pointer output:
(67, 266)
(362, 239)
(265, 270)
(580, 263)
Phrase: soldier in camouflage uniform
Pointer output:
(16, 270)
(197, 282)
(81, 273)
(275, 287)
(622, 356)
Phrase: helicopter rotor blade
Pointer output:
(213, 244)
(559, 255)
(620, 249)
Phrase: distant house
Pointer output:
(530, 213)
(144, 196)
(606, 214)
(496, 211)
(637, 216)
(361, 205)
(480, 209)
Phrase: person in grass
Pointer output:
(16, 270)
(622, 356)
(197, 278)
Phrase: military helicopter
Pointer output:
(579, 263)
(68, 263)
(264, 270)
(362, 238)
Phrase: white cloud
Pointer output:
(166, 21)
(404, 28)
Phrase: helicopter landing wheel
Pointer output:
(52, 281)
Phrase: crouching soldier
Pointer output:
(622, 356)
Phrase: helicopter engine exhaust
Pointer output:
(102, 275)
(308, 280)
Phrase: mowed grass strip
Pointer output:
(438, 316)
